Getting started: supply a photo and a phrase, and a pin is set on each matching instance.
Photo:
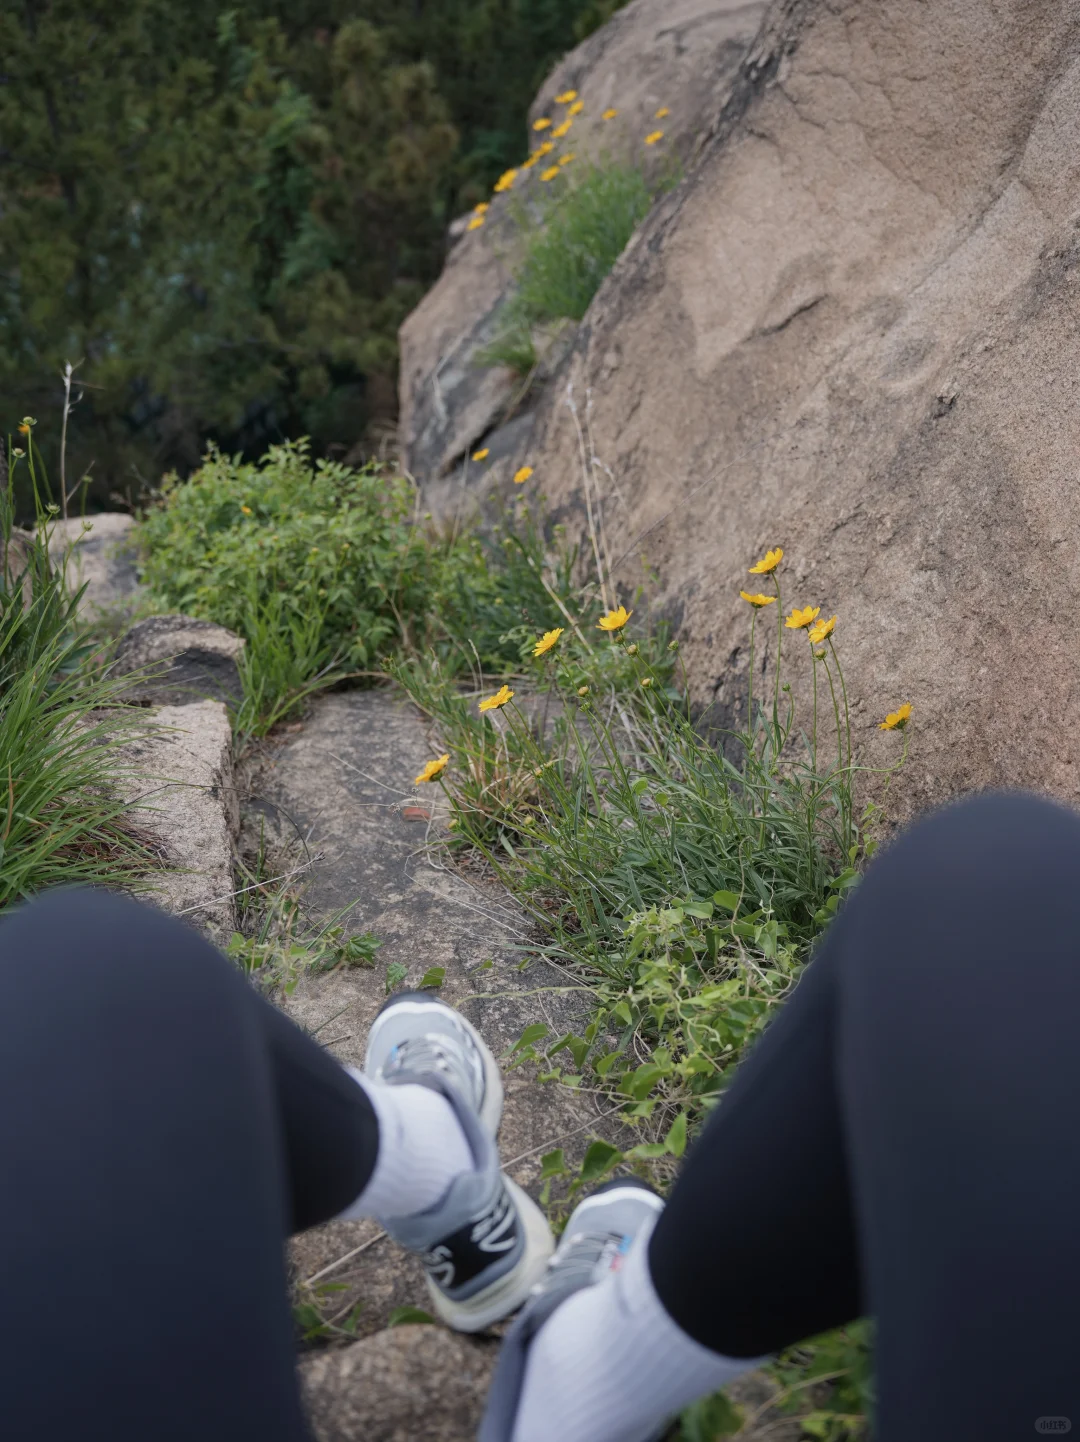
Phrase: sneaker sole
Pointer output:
(492, 1109)
(509, 1292)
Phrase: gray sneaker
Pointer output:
(598, 1236)
(486, 1242)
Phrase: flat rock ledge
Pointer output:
(181, 776)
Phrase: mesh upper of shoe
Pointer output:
(452, 1054)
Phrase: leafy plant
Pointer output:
(63, 817)
(325, 571)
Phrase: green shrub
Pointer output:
(326, 571)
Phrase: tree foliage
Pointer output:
(224, 215)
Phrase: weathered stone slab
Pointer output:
(188, 800)
(180, 660)
(343, 785)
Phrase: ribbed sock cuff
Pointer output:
(421, 1151)
(612, 1366)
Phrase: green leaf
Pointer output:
(531, 1034)
(396, 975)
(675, 1141)
(710, 1420)
(433, 978)
(553, 1164)
(409, 1316)
(728, 900)
(701, 909)
(600, 1158)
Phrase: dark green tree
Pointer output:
(223, 216)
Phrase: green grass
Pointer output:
(62, 729)
(570, 248)
(679, 884)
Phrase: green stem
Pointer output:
(779, 644)
(843, 689)
(750, 701)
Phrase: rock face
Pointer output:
(183, 779)
(678, 55)
(102, 557)
(188, 660)
(853, 332)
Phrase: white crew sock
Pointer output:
(611, 1366)
(421, 1150)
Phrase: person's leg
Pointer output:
(900, 1142)
(162, 1129)
(143, 1194)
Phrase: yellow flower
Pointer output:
(505, 181)
(520, 477)
(896, 720)
(550, 174)
(822, 629)
(662, 112)
(563, 129)
(566, 97)
(758, 600)
(476, 222)
(433, 769)
(542, 124)
(246, 510)
(566, 159)
(577, 107)
(646, 680)
(545, 147)
(799, 620)
(654, 137)
(770, 563)
(614, 620)
(481, 455)
(482, 208)
(24, 429)
(533, 158)
(609, 114)
(547, 641)
(501, 697)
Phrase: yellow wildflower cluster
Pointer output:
(505, 181)
(655, 136)
(481, 455)
(521, 476)
(566, 97)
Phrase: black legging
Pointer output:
(901, 1142)
(904, 1141)
(162, 1129)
